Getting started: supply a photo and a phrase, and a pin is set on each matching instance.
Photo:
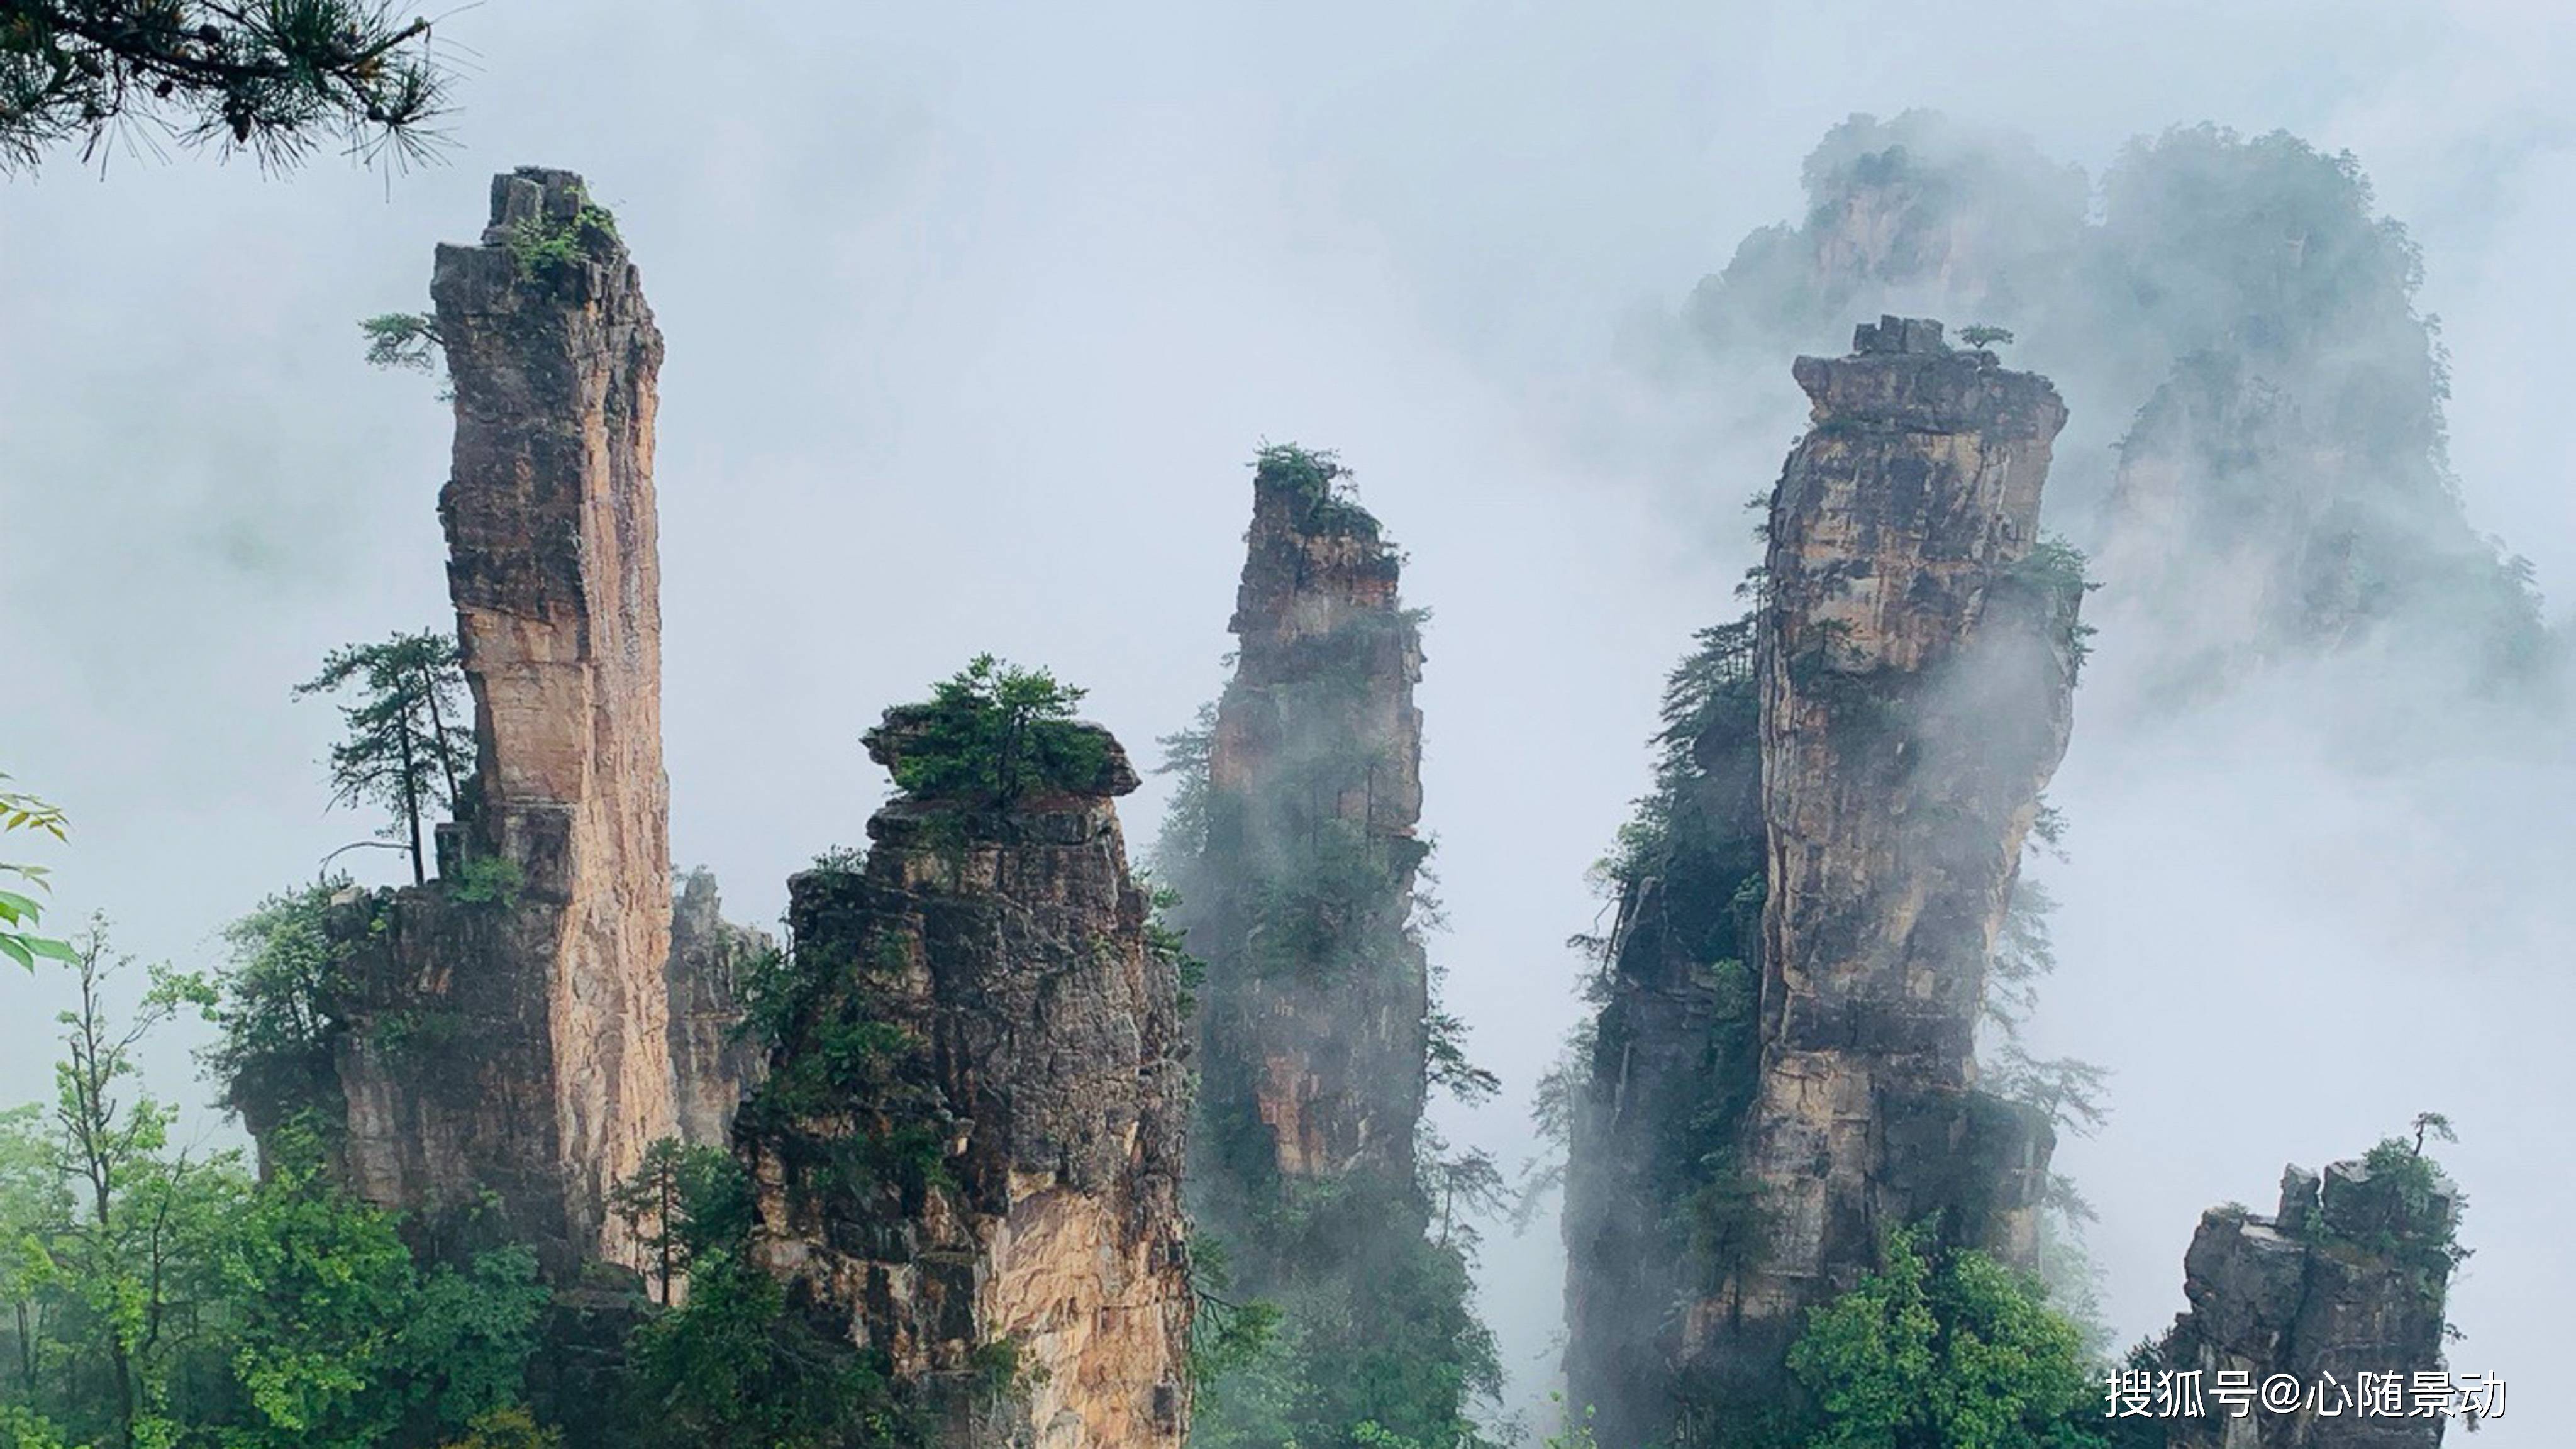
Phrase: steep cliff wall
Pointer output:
(1917, 667)
(1784, 1065)
(1314, 784)
(967, 1155)
(1318, 1032)
(2341, 1290)
(713, 1065)
(510, 1024)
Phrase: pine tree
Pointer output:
(400, 752)
(271, 79)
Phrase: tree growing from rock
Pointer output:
(400, 752)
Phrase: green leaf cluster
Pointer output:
(994, 733)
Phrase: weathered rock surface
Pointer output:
(1763, 1101)
(1317, 750)
(713, 1065)
(2342, 1281)
(527, 991)
(967, 1156)
(1917, 688)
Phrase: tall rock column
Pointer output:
(967, 1155)
(1916, 661)
(1318, 1035)
(1314, 786)
(510, 1024)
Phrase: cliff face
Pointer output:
(967, 1155)
(510, 1025)
(1917, 669)
(1671, 1059)
(1318, 1033)
(2340, 1289)
(1784, 1065)
(713, 1066)
(1314, 771)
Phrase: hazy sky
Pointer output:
(975, 317)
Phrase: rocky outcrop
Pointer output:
(967, 1155)
(714, 1065)
(509, 1025)
(1763, 1101)
(2341, 1290)
(1917, 664)
(1319, 1035)
(1315, 1022)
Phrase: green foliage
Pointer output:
(274, 1011)
(1322, 486)
(545, 249)
(489, 880)
(673, 1179)
(400, 750)
(156, 1297)
(736, 1367)
(995, 732)
(2417, 1221)
(511, 1428)
(1982, 335)
(1943, 1350)
(835, 1052)
(408, 341)
(1374, 1327)
(273, 79)
(20, 913)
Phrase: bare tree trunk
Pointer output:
(411, 801)
(438, 732)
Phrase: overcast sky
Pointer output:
(975, 316)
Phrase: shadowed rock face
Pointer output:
(967, 1154)
(519, 1042)
(2336, 1284)
(1916, 686)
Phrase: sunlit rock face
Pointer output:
(2345, 1280)
(1317, 753)
(1917, 677)
(510, 1023)
(967, 1155)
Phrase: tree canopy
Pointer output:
(274, 78)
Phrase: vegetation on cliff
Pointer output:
(161, 1295)
(1300, 885)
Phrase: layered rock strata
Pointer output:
(714, 1065)
(967, 1155)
